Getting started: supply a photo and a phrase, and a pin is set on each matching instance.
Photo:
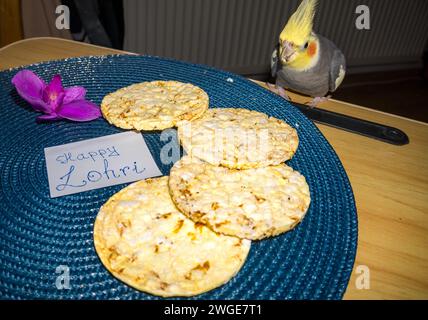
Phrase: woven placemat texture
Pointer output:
(38, 234)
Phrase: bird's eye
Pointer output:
(306, 45)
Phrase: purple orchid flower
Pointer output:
(55, 101)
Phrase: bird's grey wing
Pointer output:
(274, 62)
(337, 70)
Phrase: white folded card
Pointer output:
(97, 163)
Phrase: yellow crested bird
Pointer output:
(304, 61)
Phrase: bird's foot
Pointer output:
(317, 100)
(278, 90)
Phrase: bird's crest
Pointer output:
(299, 26)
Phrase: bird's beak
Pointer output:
(287, 52)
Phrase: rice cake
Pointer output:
(238, 138)
(250, 204)
(143, 240)
(154, 105)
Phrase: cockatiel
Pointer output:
(304, 61)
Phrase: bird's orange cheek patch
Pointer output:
(312, 48)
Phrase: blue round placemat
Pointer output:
(38, 234)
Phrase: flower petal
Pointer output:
(55, 85)
(74, 93)
(48, 117)
(81, 110)
(54, 92)
(30, 87)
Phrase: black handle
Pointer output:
(366, 128)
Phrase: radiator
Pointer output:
(239, 35)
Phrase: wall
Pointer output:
(239, 35)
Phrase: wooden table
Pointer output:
(390, 184)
